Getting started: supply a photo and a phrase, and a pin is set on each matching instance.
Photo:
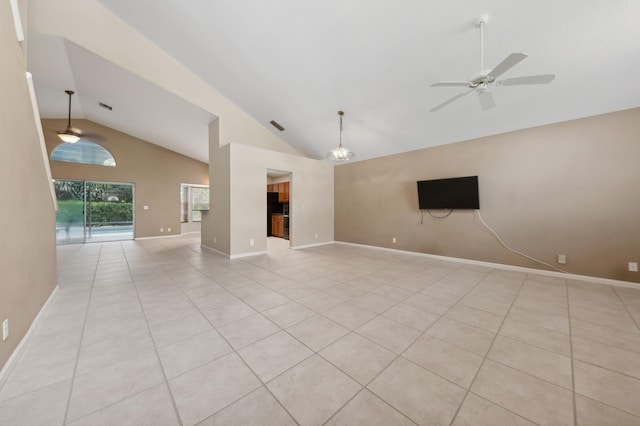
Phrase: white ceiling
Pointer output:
(299, 62)
(140, 108)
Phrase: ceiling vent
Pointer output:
(277, 125)
(103, 105)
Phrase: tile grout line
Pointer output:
(398, 355)
(155, 347)
(626, 308)
(313, 353)
(235, 351)
(84, 325)
(185, 258)
(573, 374)
(485, 357)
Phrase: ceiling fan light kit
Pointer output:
(340, 153)
(484, 79)
(69, 135)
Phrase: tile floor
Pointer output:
(159, 332)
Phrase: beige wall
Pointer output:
(216, 223)
(27, 216)
(239, 208)
(156, 173)
(569, 188)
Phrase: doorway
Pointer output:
(93, 211)
(279, 217)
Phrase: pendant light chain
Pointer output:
(340, 113)
(340, 153)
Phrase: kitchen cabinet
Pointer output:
(283, 192)
(282, 189)
(277, 225)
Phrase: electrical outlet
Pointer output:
(316, 235)
(562, 259)
(215, 240)
(146, 207)
(394, 240)
(633, 266)
(5, 329)
(168, 229)
(161, 229)
(252, 242)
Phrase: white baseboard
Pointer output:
(258, 253)
(8, 366)
(155, 237)
(221, 253)
(241, 255)
(233, 256)
(585, 278)
(313, 245)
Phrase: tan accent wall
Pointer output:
(156, 173)
(569, 188)
(27, 216)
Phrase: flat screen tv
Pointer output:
(453, 193)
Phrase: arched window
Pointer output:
(83, 152)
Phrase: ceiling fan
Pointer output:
(483, 80)
(72, 134)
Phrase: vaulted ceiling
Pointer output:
(298, 63)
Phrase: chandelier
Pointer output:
(340, 153)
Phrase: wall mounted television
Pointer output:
(450, 194)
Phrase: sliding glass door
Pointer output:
(93, 211)
(70, 214)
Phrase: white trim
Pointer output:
(8, 366)
(241, 255)
(221, 253)
(586, 278)
(17, 20)
(43, 146)
(233, 256)
(312, 245)
(155, 237)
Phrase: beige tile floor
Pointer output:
(159, 332)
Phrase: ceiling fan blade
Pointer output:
(486, 100)
(530, 79)
(504, 66)
(448, 101)
(92, 137)
(451, 84)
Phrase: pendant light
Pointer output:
(68, 135)
(340, 153)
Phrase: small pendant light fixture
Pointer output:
(340, 153)
(68, 135)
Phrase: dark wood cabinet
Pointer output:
(282, 189)
(277, 225)
(283, 192)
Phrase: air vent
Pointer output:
(275, 124)
(106, 106)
